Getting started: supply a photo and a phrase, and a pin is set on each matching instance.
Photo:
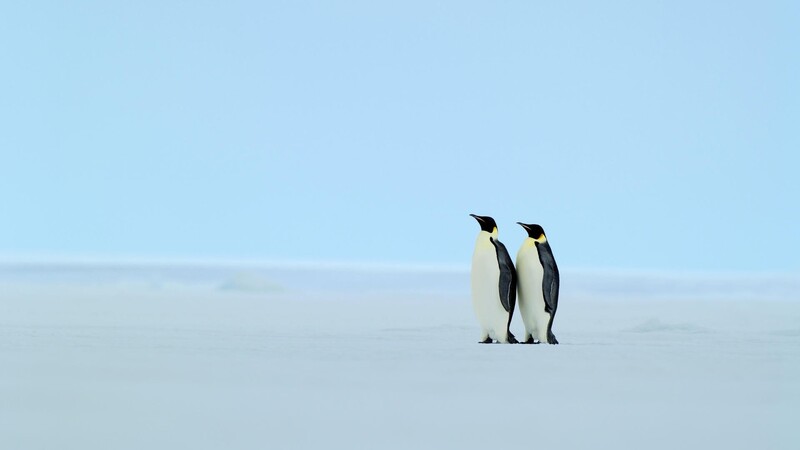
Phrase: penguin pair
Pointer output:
(495, 283)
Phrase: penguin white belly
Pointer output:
(531, 297)
(485, 281)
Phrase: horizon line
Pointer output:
(364, 265)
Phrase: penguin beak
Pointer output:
(524, 226)
(478, 218)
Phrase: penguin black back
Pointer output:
(508, 280)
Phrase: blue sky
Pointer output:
(641, 135)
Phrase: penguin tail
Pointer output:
(511, 339)
(551, 338)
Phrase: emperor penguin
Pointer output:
(494, 284)
(538, 286)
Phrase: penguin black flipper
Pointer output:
(508, 278)
(550, 284)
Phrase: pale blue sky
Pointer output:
(646, 135)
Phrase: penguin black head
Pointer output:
(487, 223)
(535, 231)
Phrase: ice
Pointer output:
(156, 356)
(250, 282)
(655, 326)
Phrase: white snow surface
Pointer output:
(203, 356)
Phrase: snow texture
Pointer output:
(210, 357)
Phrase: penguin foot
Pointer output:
(511, 339)
(529, 340)
(488, 340)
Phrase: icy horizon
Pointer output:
(255, 275)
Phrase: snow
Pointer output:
(204, 356)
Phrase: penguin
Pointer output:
(538, 286)
(494, 284)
